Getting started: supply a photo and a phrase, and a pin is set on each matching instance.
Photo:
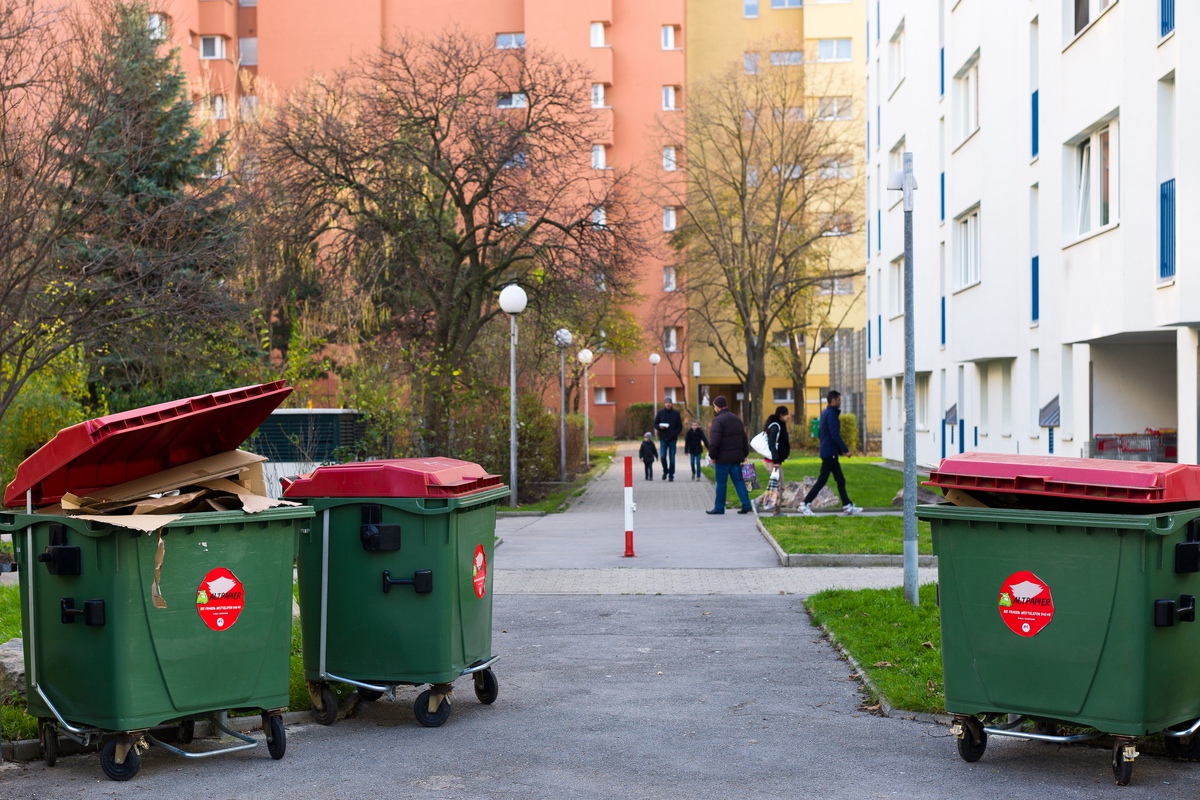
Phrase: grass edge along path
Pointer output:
(559, 500)
(834, 534)
(896, 646)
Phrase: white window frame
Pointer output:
(896, 164)
(669, 279)
(670, 161)
(671, 393)
(248, 51)
(781, 4)
(513, 219)
(670, 339)
(835, 167)
(598, 95)
(159, 25)
(790, 114)
(835, 50)
(968, 250)
(780, 339)
(599, 218)
(1095, 188)
(966, 99)
(750, 9)
(512, 100)
(896, 58)
(750, 63)
(922, 400)
(896, 287)
(599, 156)
(783, 394)
(597, 35)
(248, 107)
(518, 160)
(670, 218)
(669, 98)
(835, 107)
(668, 37)
(600, 396)
(216, 107)
(787, 58)
(218, 48)
(510, 41)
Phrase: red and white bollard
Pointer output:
(629, 506)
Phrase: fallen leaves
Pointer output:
(884, 664)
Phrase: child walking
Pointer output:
(693, 444)
(648, 454)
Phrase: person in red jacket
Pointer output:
(728, 447)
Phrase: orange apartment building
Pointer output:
(634, 48)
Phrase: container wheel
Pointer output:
(1188, 747)
(327, 714)
(370, 695)
(487, 688)
(968, 750)
(430, 720)
(115, 771)
(1122, 768)
(49, 736)
(276, 737)
(187, 731)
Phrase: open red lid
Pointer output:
(108, 451)
(1083, 478)
(398, 477)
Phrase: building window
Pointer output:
(781, 394)
(212, 48)
(750, 63)
(786, 58)
(966, 100)
(510, 41)
(1166, 16)
(837, 224)
(248, 107)
(248, 51)
(518, 160)
(668, 37)
(1166, 229)
(792, 114)
(833, 49)
(830, 108)
(597, 37)
(749, 8)
(787, 3)
(788, 172)
(668, 279)
(669, 163)
(247, 2)
(1096, 180)
(599, 156)
(671, 339)
(514, 219)
(669, 218)
(600, 396)
(896, 287)
(671, 393)
(1087, 10)
(511, 100)
(896, 57)
(598, 95)
(215, 107)
(159, 25)
(967, 270)
(599, 218)
(839, 166)
(668, 98)
(896, 164)
(922, 401)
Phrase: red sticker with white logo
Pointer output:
(479, 571)
(220, 599)
(1025, 603)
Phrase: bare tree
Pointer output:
(437, 172)
(769, 165)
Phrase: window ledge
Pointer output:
(1088, 27)
(1165, 284)
(895, 88)
(966, 139)
(1168, 37)
(1034, 160)
(967, 286)
(1093, 234)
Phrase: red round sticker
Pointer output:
(1025, 603)
(479, 571)
(220, 599)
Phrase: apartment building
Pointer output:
(1053, 302)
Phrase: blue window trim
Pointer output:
(879, 334)
(1166, 229)
(878, 127)
(942, 73)
(942, 204)
(943, 319)
(869, 339)
(1034, 116)
(1035, 288)
(1166, 13)
(878, 230)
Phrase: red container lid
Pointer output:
(1077, 478)
(108, 451)
(397, 477)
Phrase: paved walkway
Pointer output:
(679, 549)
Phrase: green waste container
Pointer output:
(814, 427)
(127, 630)
(1083, 617)
(395, 580)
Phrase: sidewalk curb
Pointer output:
(836, 560)
(508, 514)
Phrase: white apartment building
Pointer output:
(1053, 298)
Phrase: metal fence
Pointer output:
(848, 374)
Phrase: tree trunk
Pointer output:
(756, 379)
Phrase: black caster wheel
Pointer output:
(370, 695)
(276, 737)
(1122, 768)
(1187, 747)
(187, 731)
(49, 737)
(327, 714)
(487, 688)
(123, 771)
(968, 750)
(431, 720)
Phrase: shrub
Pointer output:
(849, 430)
(637, 419)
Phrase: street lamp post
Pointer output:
(904, 181)
(585, 358)
(654, 359)
(512, 302)
(563, 339)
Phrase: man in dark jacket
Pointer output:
(668, 424)
(728, 447)
(830, 433)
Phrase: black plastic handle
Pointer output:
(421, 581)
(92, 612)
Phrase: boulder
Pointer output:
(923, 496)
(12, 668)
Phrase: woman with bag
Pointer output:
(778, 449)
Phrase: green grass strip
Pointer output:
(839, 535)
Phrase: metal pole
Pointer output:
(587, 453)
(910, 402)
(562, 417)
(654, 386)
(512, 412)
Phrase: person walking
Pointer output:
(780, 448)
(728, 447)
(830, 433)
(648, 454)
(694, 443)
(668, 425)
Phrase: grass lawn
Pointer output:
(898, 646)
(557, 500)
(840, 535)
(869, 485)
